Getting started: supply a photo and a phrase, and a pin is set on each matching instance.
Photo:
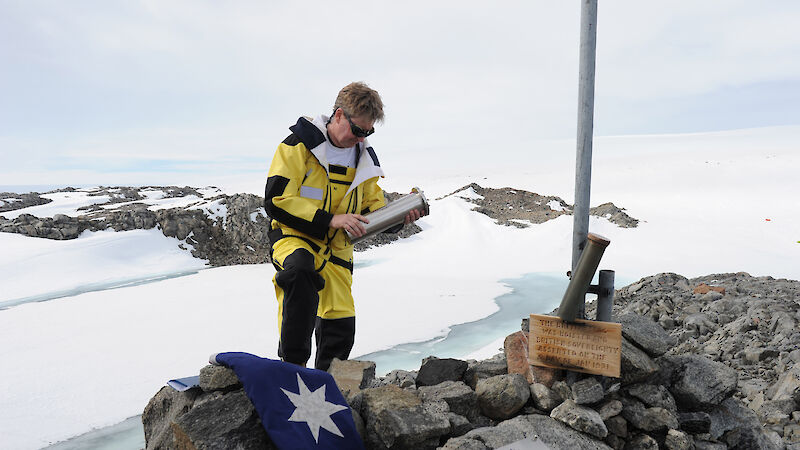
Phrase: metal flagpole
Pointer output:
(583, 161)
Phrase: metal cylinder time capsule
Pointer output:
(392, 214)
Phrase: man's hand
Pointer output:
(352, 223)
(413, 215)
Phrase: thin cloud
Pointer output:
(180, 80)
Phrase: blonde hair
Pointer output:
(359, 100)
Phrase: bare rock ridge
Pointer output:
(10, 201)
(518, 208)
(728, 381)
(224, 229)
(232, 229)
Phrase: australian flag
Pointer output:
(299, 407)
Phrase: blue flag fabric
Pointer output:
(300, 408)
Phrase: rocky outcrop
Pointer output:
(675, 400)
(745, 330)
(10, 201)
(519, 208)
(513, 207)
(614, 214)
(223, 229)
(232, 229)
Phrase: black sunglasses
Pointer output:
(357, 130)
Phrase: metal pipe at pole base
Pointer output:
(605, 296)
(575, 295)
(392, 214)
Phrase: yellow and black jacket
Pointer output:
(300, 198)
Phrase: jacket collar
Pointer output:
(367, 164)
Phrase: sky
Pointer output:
(171, 92)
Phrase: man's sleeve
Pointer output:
(286, 202)
(373, 197)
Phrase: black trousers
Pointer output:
(301, 284)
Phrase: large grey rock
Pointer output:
(659, 419)
(787, 386)
(559, 436)
(700, 444)
(653, 395)
(610, 408)
(562, 389)
(544, 398)
(402, 378)
(700, 382)
(459, 397)
(370, 402)
(396, 418)
(695, 422)
(359, 422)
(636, 366)
(435, 370)
(646, 334)
(459, 425)
(487, 368)
(757, 355)
(678, 440)
(617, 425)
(648, 419)
(615, 442)
(501, 396)
(504, 433)
(641, 442)
(580, 418)
(203, 427)
(587, 391)
(551, 432)
(161, 411)
(352, 375)
(699, 324)
(739, 427)
(217, 378)
(416, 427)
(791, 433)
(464, 443)
(772, 409)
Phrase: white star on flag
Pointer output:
(313, 409)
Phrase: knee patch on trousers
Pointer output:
(300, 285)
(299, 266)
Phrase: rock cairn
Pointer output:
(749, 324)
(681, 387)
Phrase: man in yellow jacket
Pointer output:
(322, 181)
